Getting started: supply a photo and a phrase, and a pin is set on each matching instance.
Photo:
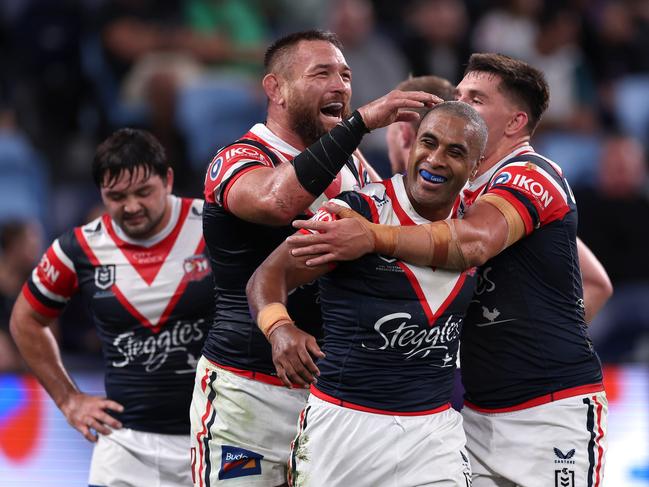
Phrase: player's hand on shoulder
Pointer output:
(293, 355)
(394, 107)
(86, 413)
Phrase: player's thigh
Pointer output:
(562, 443)
(432, 451)
(490, 481)
(341, 446)
(128, 458)
(241, 428)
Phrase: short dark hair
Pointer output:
(126, 150)
(468, 114)
(522, 83)
(278, 50)
(434, 85)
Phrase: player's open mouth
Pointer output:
(432, 178)
(334, 109)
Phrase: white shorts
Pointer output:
(129, 458)
(241, 428)
(558, 444)
(338, 446)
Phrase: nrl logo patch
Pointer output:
(105, 276)
(564, 478)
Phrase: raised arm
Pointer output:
(267, 291)
(32, 334)
(596, 283)
(274, 196)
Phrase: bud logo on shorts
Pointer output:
(237, 462)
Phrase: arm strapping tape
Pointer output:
(319, 164)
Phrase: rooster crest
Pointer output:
(490, 315)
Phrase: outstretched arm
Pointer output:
(489, 226)
(596, 283)
(38, 347)
(267, 291)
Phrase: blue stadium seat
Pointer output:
(213, 112)
(632, 105)
(107, 87)
(23, 181)
(577, 154)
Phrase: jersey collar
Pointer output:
(485, 177)
(264, 133)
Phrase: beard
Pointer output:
(305, 120)
(142, 230)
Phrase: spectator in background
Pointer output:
(157, 48)
(21, 243)
(45, 82)
(510, 29)
(400, 136)
(557, 53)
(378, 65)
(436, 38)
(24, 175)
(616, 38)
(613, 223)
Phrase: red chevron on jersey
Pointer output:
(132, 280)
(537, 186)
(436, 289)
(147, 261)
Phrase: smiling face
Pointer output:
(318, 89)
(443, 156)
(138, 204)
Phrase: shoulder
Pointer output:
(368, 202)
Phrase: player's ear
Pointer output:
(408, 135)
(272, 86)
(516, 123)
(169, 180)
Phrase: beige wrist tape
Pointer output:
(271, 317)
(515, 224)
(385, 238)
(432, 244)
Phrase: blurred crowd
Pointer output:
(73, 71)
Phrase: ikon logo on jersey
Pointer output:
(533, 187)
(49, 272)
(105, 276)
(237, 462)
(244, 151)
